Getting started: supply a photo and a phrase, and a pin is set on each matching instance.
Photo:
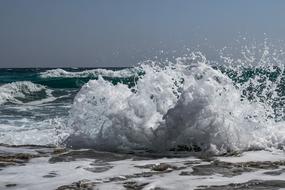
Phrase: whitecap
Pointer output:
(23, 92)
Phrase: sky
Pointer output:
(119, 33)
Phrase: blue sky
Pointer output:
(96, 33)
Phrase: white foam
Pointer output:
(30, 176)
(186, 102)
(25, 177)
(256, 156)
(47, 132)
(174, 181)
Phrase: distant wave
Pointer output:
(60, 73)
(25, 92)
(191, 102)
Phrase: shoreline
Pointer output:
(50, 167)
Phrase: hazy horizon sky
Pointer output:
(104, 33)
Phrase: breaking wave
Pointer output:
(186, 103)
(60, 73)
(24, 92)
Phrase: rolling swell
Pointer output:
(59, 78)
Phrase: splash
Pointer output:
(186, 102)
(258, 72)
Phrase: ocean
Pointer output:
(156, 125)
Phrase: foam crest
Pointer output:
(57, 73)
(25, 92)
(182, 103)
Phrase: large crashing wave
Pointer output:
(24, 92)
(183, 103)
